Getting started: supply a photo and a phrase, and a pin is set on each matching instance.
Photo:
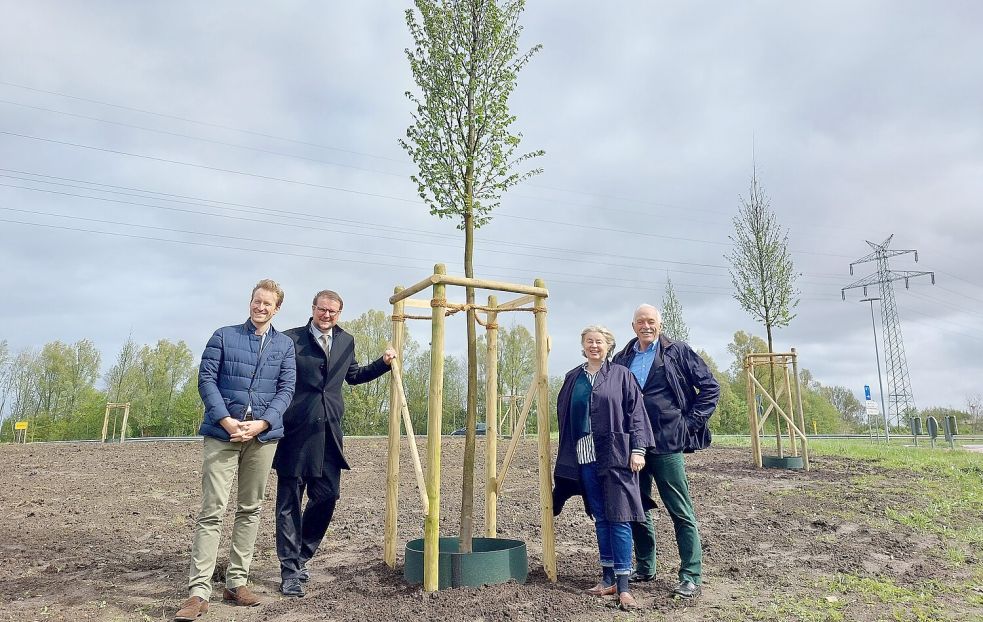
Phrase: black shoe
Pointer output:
(292, 587)
(637, 577)
(304, 575)
(687, 589)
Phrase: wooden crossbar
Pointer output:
(776, 406)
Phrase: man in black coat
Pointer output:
(310, 456)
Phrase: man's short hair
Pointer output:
(330, 295)
(608, 337)
(271, 286)
(658, 314)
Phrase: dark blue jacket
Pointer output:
(618, 425)
(234, 374)
(696, 392)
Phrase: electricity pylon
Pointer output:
(901, 403)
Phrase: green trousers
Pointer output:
(222, 461)
(669, 473)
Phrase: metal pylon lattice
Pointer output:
(900, 400)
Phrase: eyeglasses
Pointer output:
(324, 311)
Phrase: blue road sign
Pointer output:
(866, 391)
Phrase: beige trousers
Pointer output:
(222, 460)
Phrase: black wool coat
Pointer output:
(312, 438)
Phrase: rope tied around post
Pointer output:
(438, 302)
(398, 318)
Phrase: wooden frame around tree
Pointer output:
(429, 483)
(785, 365)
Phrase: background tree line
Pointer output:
(59, 390)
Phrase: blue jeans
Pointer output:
(613, 539)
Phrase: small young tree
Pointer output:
(762, 270)
(974, 404)
(761, 265)
(673, 324)
(465, 61)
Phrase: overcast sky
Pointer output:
(159, 158)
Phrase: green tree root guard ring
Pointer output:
(492, 560)
(788, 462)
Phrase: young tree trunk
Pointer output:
(778, 419)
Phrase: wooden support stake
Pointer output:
(411, 438)
(122, 428)
(778, 409)
(431, 531)
(392, 466)
(491, 421)
(105, 424)
(791, 408)
(802, 420)
(752, 406)
(543, 423)
(521, 422)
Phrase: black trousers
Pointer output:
(299, 530)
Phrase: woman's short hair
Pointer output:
(608, 337)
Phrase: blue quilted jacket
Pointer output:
(234, 374)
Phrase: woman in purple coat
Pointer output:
(603, 436)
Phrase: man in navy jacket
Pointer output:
(246, 381)
(680, 394)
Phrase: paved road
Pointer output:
(976, 448)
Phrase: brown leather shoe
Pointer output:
(241, 596)
(603, 590)
(627, 602)
(191, 609)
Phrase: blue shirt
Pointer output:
(641, 365)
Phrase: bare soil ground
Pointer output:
(102, 532)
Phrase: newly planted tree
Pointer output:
(465, 61)
(761, 269)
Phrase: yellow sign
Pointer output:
(20, 425)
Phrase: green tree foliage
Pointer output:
(465, 61)
(846, 403)
(730, 417)
(159, 375)
(673, 324)
(367, 405)
(964, 419)
(761, 265)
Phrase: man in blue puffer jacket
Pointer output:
(246, 381)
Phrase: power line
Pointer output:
(197, 122)
(342, 222)
(209, 168)
(283, 154)
(309, 226)
(604, 281)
